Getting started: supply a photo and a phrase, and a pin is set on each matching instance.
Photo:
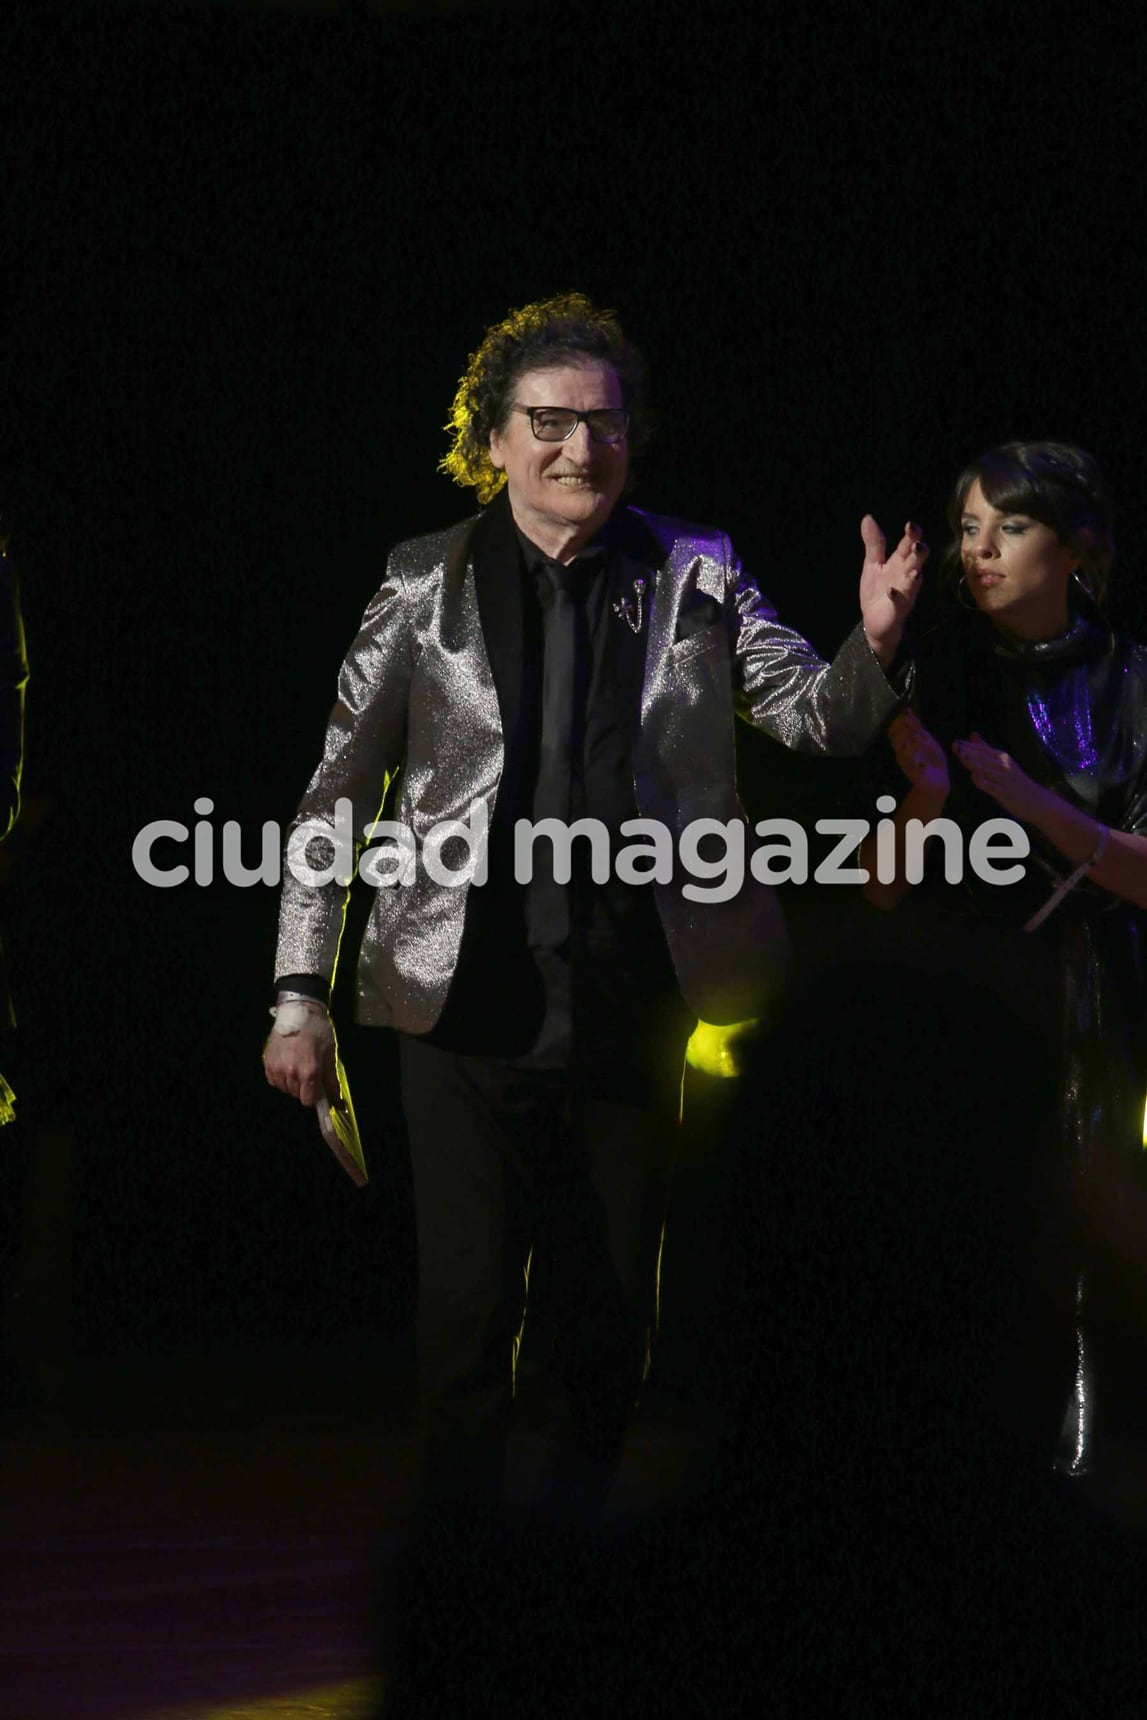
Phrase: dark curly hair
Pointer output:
(1053, 482)
(566, 329)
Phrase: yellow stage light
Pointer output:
(717, 1050)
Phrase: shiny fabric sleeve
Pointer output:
(785, 688)
(363, 748)
(1130, 676)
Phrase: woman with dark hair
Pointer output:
(1044, 709)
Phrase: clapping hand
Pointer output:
(919, 755)
(997, 774)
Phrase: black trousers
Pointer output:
(493, 1146)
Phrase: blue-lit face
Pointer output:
(1015, 568)
(562, 493)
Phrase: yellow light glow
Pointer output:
(355, 1700)
(717, 1050)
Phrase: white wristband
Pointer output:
(296, 1016)
(1069, 883)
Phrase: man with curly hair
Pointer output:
(559, 656)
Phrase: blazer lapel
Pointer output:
(496, 560)
(635, 560)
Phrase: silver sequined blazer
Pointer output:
(432, 684)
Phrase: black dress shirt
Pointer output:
(597, 1002)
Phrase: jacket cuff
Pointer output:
(900, 675)
(309, 984)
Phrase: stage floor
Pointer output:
(204, 1535)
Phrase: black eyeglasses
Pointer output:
(558, 423)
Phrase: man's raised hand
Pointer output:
(889, 585)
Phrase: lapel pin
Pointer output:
(630, 609)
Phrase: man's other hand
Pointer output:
(302, 1063)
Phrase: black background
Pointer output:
(247, 253)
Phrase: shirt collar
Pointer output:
(589, 557)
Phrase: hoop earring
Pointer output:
(962, 597)
(1085, 586)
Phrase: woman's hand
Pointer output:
(996, 773)
(919, 755)
(921, 758)
(1122, 866)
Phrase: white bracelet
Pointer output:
(294, 1016)
(1067, 884)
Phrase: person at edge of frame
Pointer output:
(559, 654)
(13, 680)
